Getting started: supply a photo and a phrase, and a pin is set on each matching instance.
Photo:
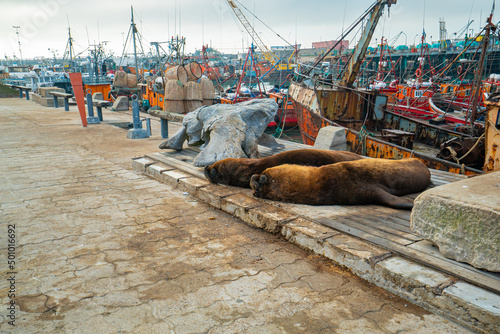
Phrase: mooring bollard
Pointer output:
(91, 119)
(137, 132)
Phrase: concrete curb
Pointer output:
(470, 306)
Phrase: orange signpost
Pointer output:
(76, 82)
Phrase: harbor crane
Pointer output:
(459, 33)
(395, 39)
(268, 54)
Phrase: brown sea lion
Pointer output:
(237, 172)
(366, 181)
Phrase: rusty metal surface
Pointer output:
(345, 105)
(469, 151)
(304, 96)
(492, 137)
(376, 148)
(310, 122)
(424, 132)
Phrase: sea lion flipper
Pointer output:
(257, 181)
(392, 201)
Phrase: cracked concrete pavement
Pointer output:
(102, 249)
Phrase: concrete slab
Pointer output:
(436, 291)
(463, 219)
(102, 248)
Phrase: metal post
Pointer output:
(21, 93)
(56, 103)
(27, 94)
(135, 115)
(99, 113)
(91, 119)
(90, 105)
(164, 128)
(148, 125)
(137, 132)
(66, 104)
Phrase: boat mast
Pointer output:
(134, 31)
(70, 41)
(358, 55)
(479, 73)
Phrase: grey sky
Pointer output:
(44, 22)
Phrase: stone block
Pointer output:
(463, 220)
(49, 101)
(134, 133)
(141, 164)
(192, 184)
(156, 169)
(213, 194)
(238, 205)
(331, 138)
(44, 91)
(172, 177)
(97, 96)
(268, 217)
(121, 103)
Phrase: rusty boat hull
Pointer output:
(350, 108)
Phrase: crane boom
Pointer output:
(459, 33)
(359, 52)
(268, 54)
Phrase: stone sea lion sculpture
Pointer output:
(238, 171)
(365, 181)
(224, 130)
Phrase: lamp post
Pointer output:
(406, 38)
(414, 40)
(19, 42)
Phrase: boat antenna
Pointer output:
(478, 78)
(423, 21)
(134, 32)
(69, 46)
(98, 34)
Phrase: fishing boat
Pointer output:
(370, 127)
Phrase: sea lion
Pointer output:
(366, 181)
(237, 172)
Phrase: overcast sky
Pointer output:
(44, 23)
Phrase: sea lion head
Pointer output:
(226, 171)
(216, 173)
(230, 171)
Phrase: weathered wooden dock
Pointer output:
(382, 226)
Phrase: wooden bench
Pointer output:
(66, 97)
(21, 90)
(166, 116)
(99, 104)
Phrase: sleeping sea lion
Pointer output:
(366, 181)
(237, 172)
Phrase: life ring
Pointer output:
(418, 72)
(150, 85)
(459, 69)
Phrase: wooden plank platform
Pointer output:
(381, 226)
